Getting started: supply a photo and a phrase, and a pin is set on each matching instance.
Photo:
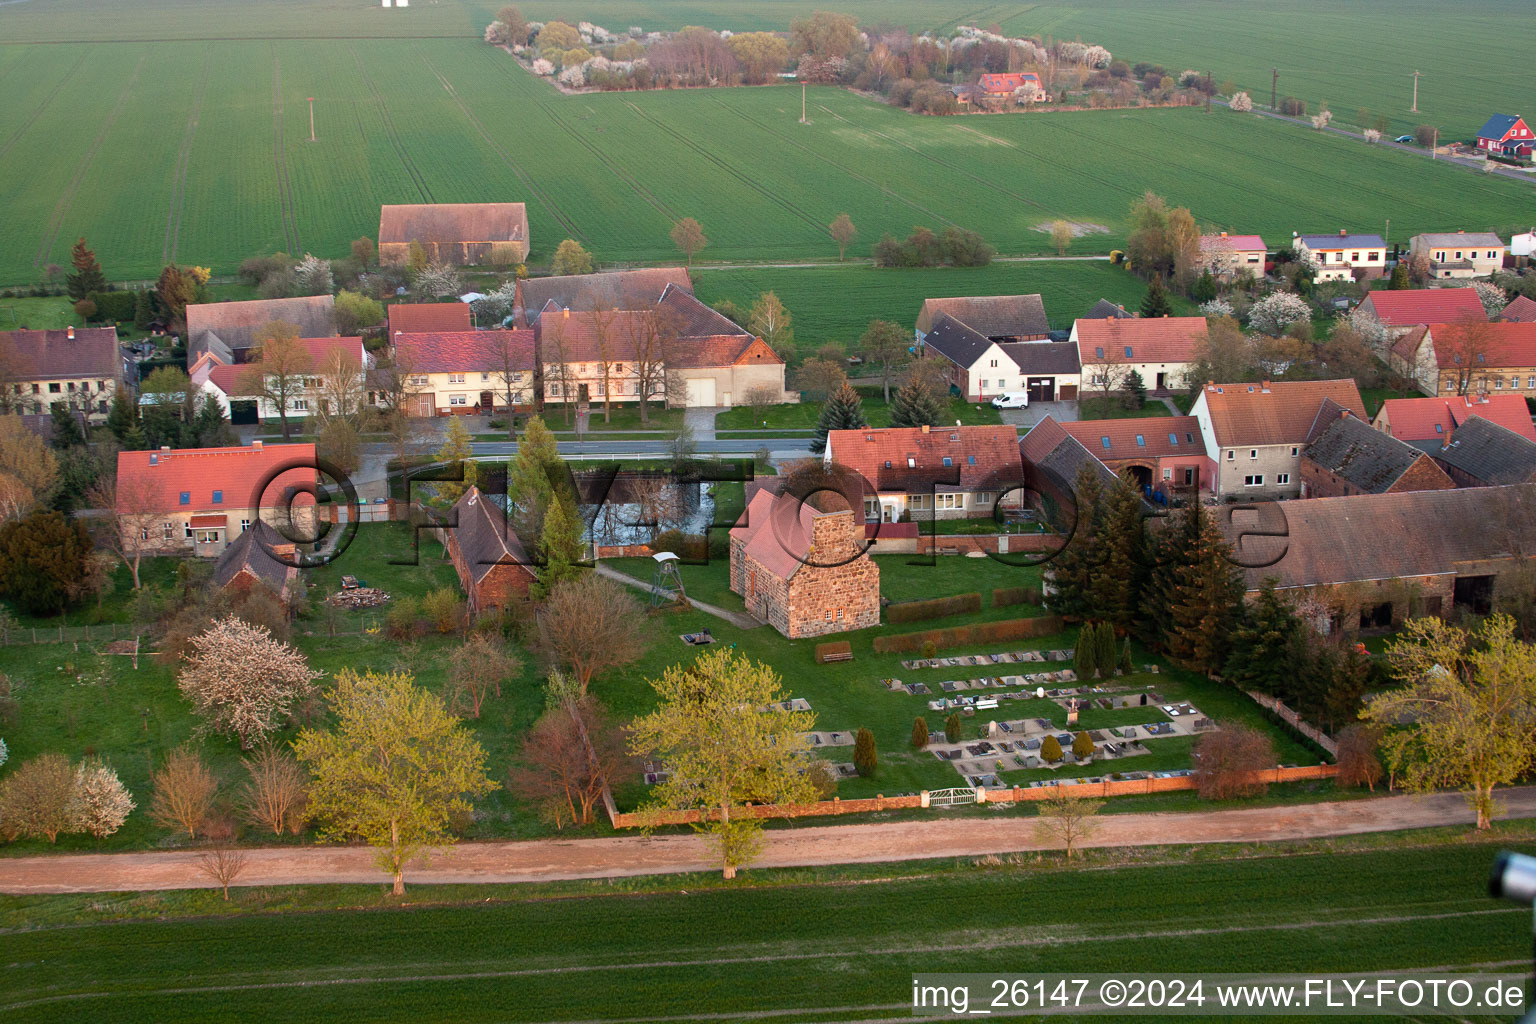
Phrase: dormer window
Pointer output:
(1127, 351)
(1141, 442)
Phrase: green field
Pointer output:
(193, 143)
(804, 945)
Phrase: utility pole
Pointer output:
(1274, 84)
(311, 119)
(1207, 92)
(1415, 92)
(1435, 145)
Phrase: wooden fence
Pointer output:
(13, 635)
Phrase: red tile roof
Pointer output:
(1506, 344)
(1417, 419)
(464, 351)
(429, 317)
(1237, 243)
(1412, 306)
(1162, 437)
(571, 336)
(777, 532)
(1284, 412)
(1007, 82)
(982, 455)
(1406, 347)
(230, 378)
(1168, 339)
(721, 350)
(250, 477)
(1522, 310)
(453, 222)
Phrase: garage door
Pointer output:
(701, 392)
(242, 411)
(1042, 389)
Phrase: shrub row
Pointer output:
(981, 632)
(1002, 597)
(114, 307)
(934, 608)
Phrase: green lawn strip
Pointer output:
(37, 313)
(118, 605)
(803, 415)
(1100, 408)
(782, 943)
(1374, 397)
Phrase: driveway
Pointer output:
(701, 422)
(1064, 412)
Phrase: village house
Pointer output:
(460, 234)
(258, 560)
(803, 571)
(1001, 318)
(1049, 370)
(1257, 433)
(1052, 460)
(610, 290)
(1155, 453)
(1457, 254)
(974, 365)
(1427, 423)
(1521, 310)
(1475, 357)
(1019, 86)
(1506, 135)
(1162, 350)
(1350, 457)
(1106, 310)
(228, 329)
(337, 367)
(493, 567)
(461, 372)
(921, 473)
(1344, 257)
(196, 500)
(80, 368)
(1484, 454)
(1226, 256)
(1372, 560)
(1402, 310)
(429, 318)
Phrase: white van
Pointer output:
(1011, 400)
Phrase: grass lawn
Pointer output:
(623, 417)
(1100, 408)
(120, 603)
(773, 942)
(803, 415)
(38, 314)
(1374, 397)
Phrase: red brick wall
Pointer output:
(1424, 475)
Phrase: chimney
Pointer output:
(1264, 384)
(69, 332)
(567, 312)
(1223, 234)
(1342, 232)
(1343, 414)
(256, 445)
(925, 428)
(165, 451)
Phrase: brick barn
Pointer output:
(772, 554)
(462, 234)
(493, 568)
(1349, 456)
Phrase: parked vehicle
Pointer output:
(1403, 138)
(1011, 400)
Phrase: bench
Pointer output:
(837, 650)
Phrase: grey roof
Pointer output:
(955, 341)
(53, 355)
(1037, 357)
(1497, 126)
(1454, 238)
(253, 550)
(1493, 454)
(696, 320)
(1050, 447)
(996, 316)
(1106, 310)
(1343, 241)
(229, 327)
(1354, 450)
(485, 537)
(1382, 536)
(619, 289)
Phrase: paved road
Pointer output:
(554, 859)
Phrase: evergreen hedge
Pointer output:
(1005, 596)
(981, 632)
(933, 608)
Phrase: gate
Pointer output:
(951, 797)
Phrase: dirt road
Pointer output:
(554, 859)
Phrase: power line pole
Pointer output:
(311, 119)
(1435, 145)
(1207, 92)
(1415, 92)
(1274, 84)
(802, 103)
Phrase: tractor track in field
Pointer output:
(280, 160)
(522, 175)
(618, 172)
(390, 131)
(31, 118)
(183, 162)
(872, 183)
(67, 197)
(725, 166)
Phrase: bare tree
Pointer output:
(689, 236)
(1066, 818)
(223, 865)
(274, 795)
(1465, 344)
(281, 370)
(37, 799)
(606, 326)
(129, 510)
(886, 345)
(1228, 763)
(570, 755)
(655, 340)
(760, 397)
(339, 386)
(510, 369)
(554, 354)
(1061, 236)
(476, 669)
(591, 624)
(184, 792)
(842, 229)
(1357, 760)
(398, 382)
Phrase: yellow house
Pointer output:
(78, 368)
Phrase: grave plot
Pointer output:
(829, 739)
(1003, 658)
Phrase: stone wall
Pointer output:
(834, 598)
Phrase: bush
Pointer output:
(953, 731)
(400, 620)
(823, 778)
(1003, 597)
(114, 306)
(930, 649)
(1227, 763)
(919, 732)
(830, 651)
(980, 633)
(1290, 106)
(933, 608)
(443, 609)
(1050, 750)
(865, 760)
(1082, 746)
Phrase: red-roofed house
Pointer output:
(803, 571)
(1401, 311)
(1226, 255)
(1432, 421)
(923, 473)
(77, 367)
(1007, 85)
(1521, 310)
(1257, 433)
(429, 317)
(1162, 350)
(461, 372)
(1164, 453)
(339, 366)
(201, 498)
(1473, 357)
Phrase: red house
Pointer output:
(1009, 83)
(1506, 135)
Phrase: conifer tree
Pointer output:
(560, 546)
(954, 731)
(1155, 303)
(865, 760)
(1084, 651)
(915, 405)
(88, 276)
(1050, 750)
(1204, 600)
(143, 310)
(1135, 390)
(1126, 665)
(843, 410)
(1082, 746)
(1073, 570)
(120, 416)
(456, 451)
(1116, 582)
(1265, 645)
(1168, 551)
(1104, 655)
(1399, 279)
(919, 732)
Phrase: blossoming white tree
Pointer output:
(244, 681)
(1278, 310)
(101, 803)
(1240, 102)
(1493, 298)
